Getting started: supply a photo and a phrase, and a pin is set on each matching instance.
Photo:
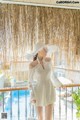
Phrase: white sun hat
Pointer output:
(38, 46)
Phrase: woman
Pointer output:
(43, 93)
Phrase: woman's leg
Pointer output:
(40, 112)
(49, 112)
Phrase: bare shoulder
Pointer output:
(47, 59)
(33, 64)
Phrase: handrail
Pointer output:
(26, 88)
(71, 85)
(12, 88)
(66, 69)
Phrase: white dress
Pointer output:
(44, 90)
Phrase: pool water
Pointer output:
(18, 104)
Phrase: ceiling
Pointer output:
(50, 3)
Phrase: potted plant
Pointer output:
(76, 100)
(11, 79)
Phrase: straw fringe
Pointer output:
(22, 26)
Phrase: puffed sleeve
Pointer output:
(54, 78)
(31, 76)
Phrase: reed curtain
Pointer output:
(22, 26)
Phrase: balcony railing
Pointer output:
(16, 103)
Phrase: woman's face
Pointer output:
(42, 52)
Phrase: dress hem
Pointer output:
(45, 104)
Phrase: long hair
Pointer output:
(35, 57)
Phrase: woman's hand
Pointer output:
(33, 101)
(63, 86)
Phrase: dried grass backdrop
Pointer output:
(22, 26)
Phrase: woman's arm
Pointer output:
(31, 75)
(54, 78)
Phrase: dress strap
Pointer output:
(38, 60)
(40, 63)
